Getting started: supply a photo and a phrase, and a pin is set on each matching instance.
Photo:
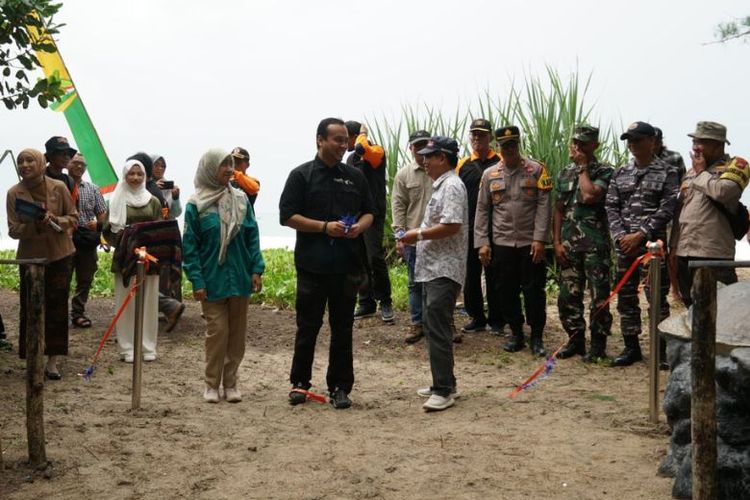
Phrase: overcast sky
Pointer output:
(181, 77)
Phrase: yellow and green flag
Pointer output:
(99, 167)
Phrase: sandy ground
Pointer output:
(582, 433)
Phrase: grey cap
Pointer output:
(710, 130)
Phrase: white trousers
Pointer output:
(126, 325)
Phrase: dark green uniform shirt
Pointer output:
(584, 225)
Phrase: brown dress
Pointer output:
(38, 240)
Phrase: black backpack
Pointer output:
(739, 222)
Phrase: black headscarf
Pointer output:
(145, 159)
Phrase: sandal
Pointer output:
(81, 322)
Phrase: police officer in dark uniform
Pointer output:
(640, 204)
(329, 204)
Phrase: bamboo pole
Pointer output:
(703, 399)
(34, 274)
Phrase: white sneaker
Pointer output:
(426, 392)
(150, 356)
(128, 358)
(233, 395)
(438, 403)
(211, 395)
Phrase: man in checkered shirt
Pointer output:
(91, 214)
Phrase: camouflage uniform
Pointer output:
(640, 199)
(673, 158)
(585, 236)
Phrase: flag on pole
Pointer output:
(70, 105)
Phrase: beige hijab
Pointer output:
(35, 183)
(231, 203)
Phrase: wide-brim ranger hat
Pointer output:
(481, 125)
(440, 144)
(710, 130)
(58, 143)
(508, 133)
(240, 153)
(638, 130)
(419, 136)
(586, 133)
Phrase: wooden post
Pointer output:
(140, 294)
(653, 328)
(703, 399)
(35, 365)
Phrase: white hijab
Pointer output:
(126, 196)
(231, 203)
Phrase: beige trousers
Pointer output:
(125, 327)
(226, 322)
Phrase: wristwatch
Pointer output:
(420, 237)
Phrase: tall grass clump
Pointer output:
(546, 110)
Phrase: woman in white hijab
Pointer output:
(132, 203)
(222, 259)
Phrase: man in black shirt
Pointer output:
(58, 154)
(370, 159)
(470, 170)
(329, 204)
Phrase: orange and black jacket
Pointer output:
(370, 160)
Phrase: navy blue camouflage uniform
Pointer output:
(640, 199)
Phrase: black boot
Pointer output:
(516, 342)
(576, 345)
(631, 353)
(598, 350)
(537, 346)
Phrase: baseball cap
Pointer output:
(638, 130)
(480, 124)
(439, 143)
(419, 136)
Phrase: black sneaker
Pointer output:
(340, 400)
(364, 311)
(386, 312)
(474, 326)
(296, 396)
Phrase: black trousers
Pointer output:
(84, 267)
(314, 292)
(726, 275)
(378, 285)
(473, 298)
(515, 273)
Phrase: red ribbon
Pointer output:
(319, 398)
(643, 259)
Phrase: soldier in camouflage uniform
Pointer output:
(640, 204)
(667, 155)
(581, 239)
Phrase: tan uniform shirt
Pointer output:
(701, 230)
(412, 189)
(518, 202)
(38, 240)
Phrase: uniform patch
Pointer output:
(496, 186)
(545, 181)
